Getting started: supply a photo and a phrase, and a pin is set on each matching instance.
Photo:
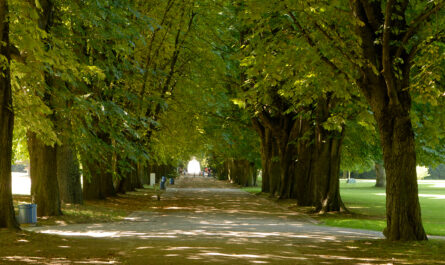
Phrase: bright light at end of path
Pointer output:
(193, 167)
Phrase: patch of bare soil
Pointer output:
(201, 220)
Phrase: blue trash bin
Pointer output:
(172, 181)
(28, 213)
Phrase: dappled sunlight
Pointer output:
(432, 196)
(433, 183)
(44, 260)
(226, 226)
(422, 195)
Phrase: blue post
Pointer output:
(162, 184)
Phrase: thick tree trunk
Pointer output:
(287, 166)
(68, 173)
(98, 175)
(44, 184)
(142, 174)
(404, 220)
(386, 89)
(241, 172)
(304, 184)
(224, 174)
(97, 180)
(7, 216)
(326, 171)
(274, 168)
(130, 180)
(380, 175)
(265, 151)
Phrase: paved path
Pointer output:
(205, 220)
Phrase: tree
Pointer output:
(388, 37)
(43, 157)
(299, 108)
(7, 215)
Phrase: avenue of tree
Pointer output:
(114, 90)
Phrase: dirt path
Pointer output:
(200, 220)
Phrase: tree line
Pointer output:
(117, 89)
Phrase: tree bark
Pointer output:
(326, 170)
(404, 220)
(386, 90)
(241, 172)
(7, 216)
(98, 174)
(44, 184)
(97, 180)
(304, 183)
(380, 175)
(264, 135)
(130, 180)
(68, 173)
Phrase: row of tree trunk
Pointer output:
(301, 159)
(239, 171)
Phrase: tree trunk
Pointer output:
(44, 184)
(142, 174)
(304, 183)
(7, 216)
(404, 220)
(241, 172)
(386, 89)
(326, 171)
(97, 180)
(98, 175)
(266, 150)
(397, 137)
(129, 180)
(68, 173)
(380, 175)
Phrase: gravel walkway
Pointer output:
(203, 220)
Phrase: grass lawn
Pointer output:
(110, 210)
(368, 205)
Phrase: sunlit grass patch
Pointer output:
(369, 204)
(253, 190)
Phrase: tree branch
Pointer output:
(334, 43)
(373, 13)
(268, 122)
(312, 43)
(415, 25)
(386, 55)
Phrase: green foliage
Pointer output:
(161, 81)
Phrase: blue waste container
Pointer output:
(172, 181)
(28, 213)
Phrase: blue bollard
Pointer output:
(162, 184)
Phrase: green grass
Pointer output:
(253, 190)
(368, 202)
